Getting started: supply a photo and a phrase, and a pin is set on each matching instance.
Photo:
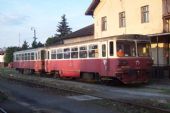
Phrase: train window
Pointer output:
(36, 56)
(23, 57)
(32, 56)
(111, 48)
(39, 55)
(53, 54)
(74, 52)
(48, 55)
(104, 50)
(29, 56)
(67, 53)
(42, 54)
(59, 53)
(126, 48)
(93, 51)
(17, 57)
(143, 49)
(83, 52)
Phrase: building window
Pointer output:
(104, 23)
(122, 19)
(145, 14)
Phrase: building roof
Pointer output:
(92, 7)
(86, 31)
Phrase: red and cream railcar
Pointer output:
(126, 58)
(29, 60)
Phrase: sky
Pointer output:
(17, 17)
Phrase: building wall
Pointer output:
(78, 39)
(132, 8)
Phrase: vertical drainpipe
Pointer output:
(157, 40)
(157, 69)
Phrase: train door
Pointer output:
(104, 58)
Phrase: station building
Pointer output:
(147, 17)
(83, 34)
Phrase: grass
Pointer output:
(7, 71)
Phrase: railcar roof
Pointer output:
(29, 50)
(121, 37)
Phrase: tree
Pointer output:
(50, 41)
(40, 44)
(9, 54)
(63, 29)
(34, 43)
(25, 45)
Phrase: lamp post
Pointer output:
(33, 29)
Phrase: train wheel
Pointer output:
(56, 75)
(90, 77)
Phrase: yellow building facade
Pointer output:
(148, 17)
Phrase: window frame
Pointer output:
(74, 51)
(60, 52)
(145, 14)
(92, 50)
(32, 56)
(67, 53)
(122, 19)
(85, 51)
(53, 53)
(111, 52)
(104, 23)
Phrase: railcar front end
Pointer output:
(133, 60)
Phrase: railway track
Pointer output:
(2, 110)
(73, 91)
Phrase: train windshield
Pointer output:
(126, 48)
(143, 48)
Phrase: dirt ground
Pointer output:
(155, 93)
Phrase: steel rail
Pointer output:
(2, 110)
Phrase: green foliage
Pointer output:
(36, 44)
(50, 41)
(40, 44)
(25, 45)
(9, 54)
(63, 29)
